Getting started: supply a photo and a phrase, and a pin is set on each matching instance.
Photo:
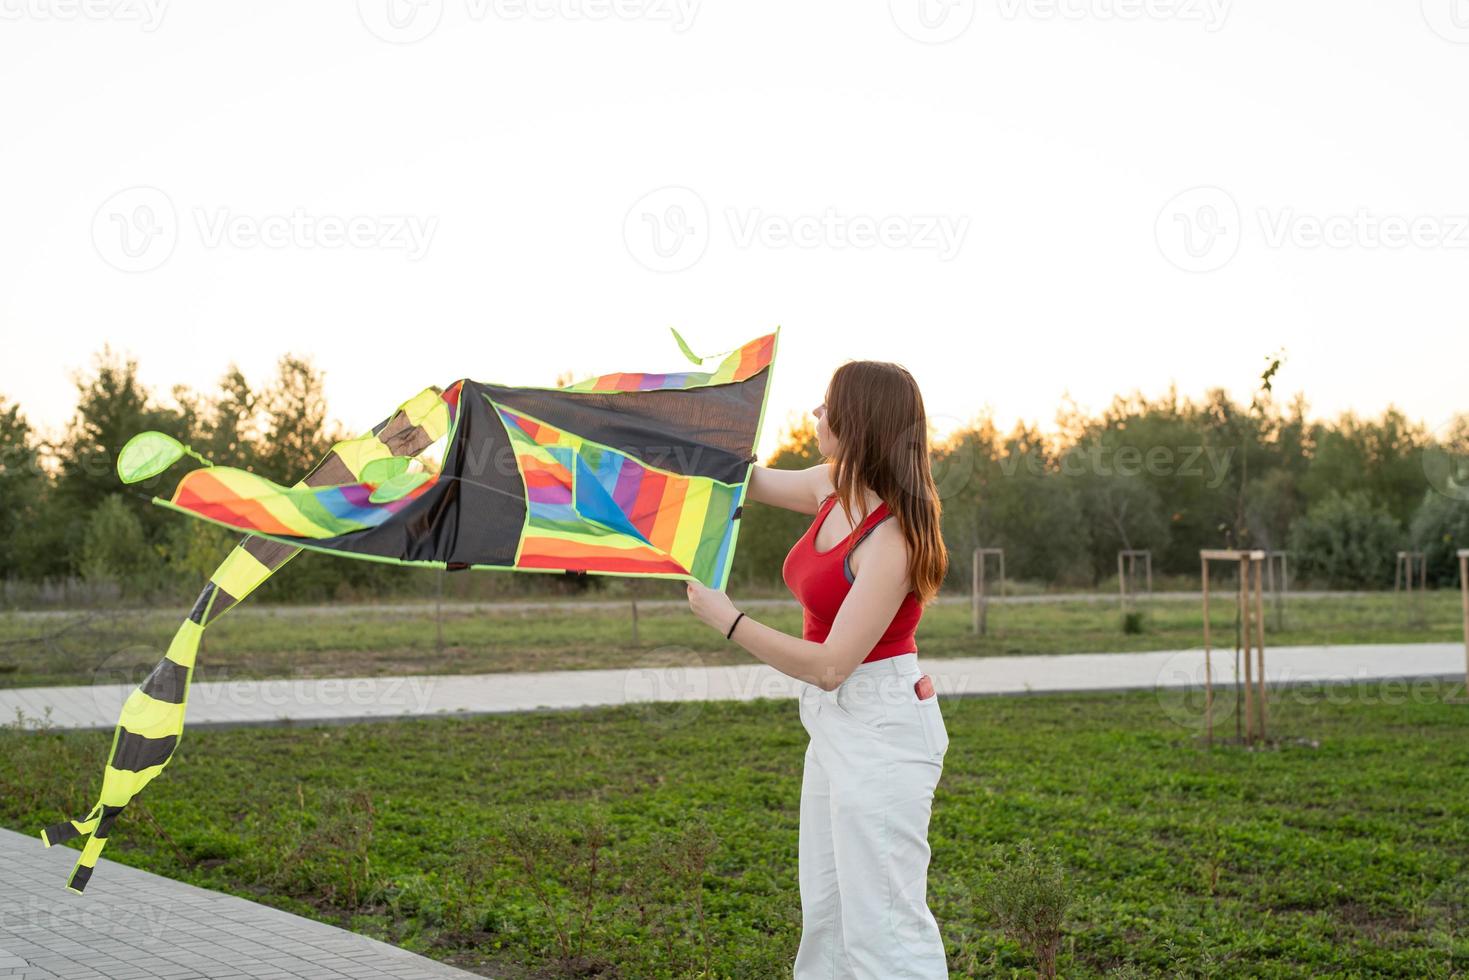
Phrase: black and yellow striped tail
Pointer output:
(98, 824)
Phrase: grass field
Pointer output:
(1344, 849)
(258, 642)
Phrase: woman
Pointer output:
(877, 736)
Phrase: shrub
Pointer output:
(1440, 527)
(115, 548)
(1029, 897)
(1346, 541)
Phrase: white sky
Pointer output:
(524, 140)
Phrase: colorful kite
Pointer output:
(622, 474)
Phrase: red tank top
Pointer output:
(820, 580)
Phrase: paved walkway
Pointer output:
(425, 607)
(230, 703)
(133, 924)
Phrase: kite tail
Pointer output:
(152, 719)
(147, 733)
(96, 827)
(68, 829)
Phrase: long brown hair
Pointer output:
(876, 413)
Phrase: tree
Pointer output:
(296, 434)
(22, 488)
(1379, 457)
(232, 430)
(1028, 508)
(112, 407)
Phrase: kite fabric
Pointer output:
(626, 474)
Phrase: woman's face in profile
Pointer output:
(826, 443)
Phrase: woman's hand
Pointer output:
(712, 606)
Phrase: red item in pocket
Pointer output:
(923, 687)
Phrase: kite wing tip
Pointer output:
(683, 346)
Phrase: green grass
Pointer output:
(259, 642)
(1342, 849)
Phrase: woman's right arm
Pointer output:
(799, 490)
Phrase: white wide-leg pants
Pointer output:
(875, 757)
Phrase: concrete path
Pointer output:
(266, 702)
(133, 924)
(467, 606)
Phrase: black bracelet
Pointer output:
(730, 634)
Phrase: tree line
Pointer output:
(1172, 475)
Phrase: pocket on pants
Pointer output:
(862, 704)
(935, 732)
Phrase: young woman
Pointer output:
(878, 738)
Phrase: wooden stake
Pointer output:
(979, 598)
(1121, 585)
(1260, 646)
(1208, 674)
(974, 594)
(984, 606)
(1464, 594)
(1245, 640)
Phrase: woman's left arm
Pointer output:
(866, 612)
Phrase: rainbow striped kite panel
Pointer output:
(622, 474)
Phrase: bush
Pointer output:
(1346, 541)
(192, 551)
(1029, 897)
(1439, 529)
(115, 548)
